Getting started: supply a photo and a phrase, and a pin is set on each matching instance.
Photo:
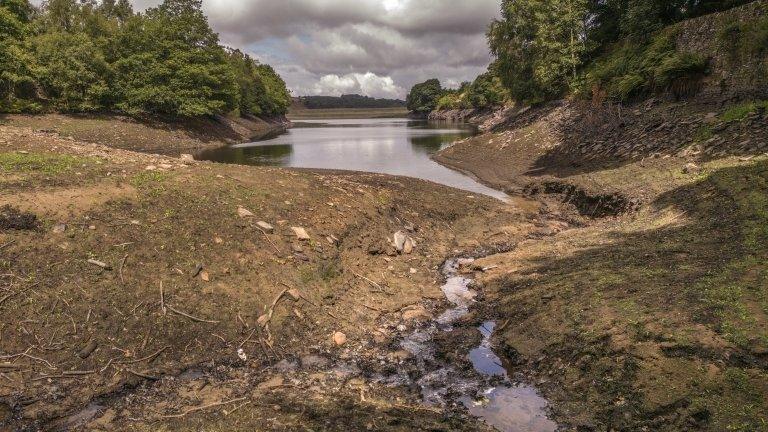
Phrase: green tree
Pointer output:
(171, 63)
(424, 97)
(15, 76)
(72, 72)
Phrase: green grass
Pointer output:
(48, 164)
(633, 69)
(742, 111)
(745, 39)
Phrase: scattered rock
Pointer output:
(314, 362)
(691, 168)
(301, 233)
(416, 313)
(265, 226)
(339, 338)
(272, 383)
(403, 243)
(243, 212)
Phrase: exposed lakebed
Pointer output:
(387, 146)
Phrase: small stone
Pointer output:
(205, 276)
(150, 168)
(59, 228)
(243, 212)
(218, 240)
(339, 338)
(691, 168)
(297, 248)
(416, 313)
(265, 226)
(301, 233)
(187, 157)
(413, 271)
(241, 354)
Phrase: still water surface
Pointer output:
(387, 146)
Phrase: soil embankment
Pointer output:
(157, 135)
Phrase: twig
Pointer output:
(248, 338)
(142, 375)
(193, 318)
(7, 244)
(122, 264)
(79, 373)
(374, 284)
(200, 408)
(149, 357)
(272, 308)
(162, 299)
(279, 252)
(101, 264)
(237, 408)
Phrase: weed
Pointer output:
(48, 164)
(742, 111)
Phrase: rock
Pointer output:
(265, 226)
(150, 168)
(243, 212)
(399, 356)
(403, 242)
(413, 271)
(187, 158)
(301, 233)
(314, 362)
(59, 228)
(691, 168)
(297, 248)
(272, 383)
(241, 354)
(416, 313)
(339, 338)
(205, 276)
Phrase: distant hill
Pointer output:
(348, 101)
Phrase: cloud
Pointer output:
(405, 41)
(368, 84)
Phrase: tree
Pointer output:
(171, 63)
(14, 60)
(424, 97)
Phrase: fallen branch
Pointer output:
(204, 407)
(149, 357)
(192, 317)
(266, 236)
(122, 264)
(265, 319)
(101, 264)
(374, 284)
(142, 375)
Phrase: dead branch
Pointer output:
(204, 407)
(101, 264)
(142, 375)
(266, 236)
(149, 357)
(193, 318)
(374, 284)
(122, 264)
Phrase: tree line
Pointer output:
(86, 56)
(545, 49)
(349, 101)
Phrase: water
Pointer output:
(491, 395)
(387, 146)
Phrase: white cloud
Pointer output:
(368, 84)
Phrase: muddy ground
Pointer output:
(157, 135)
(146, 295)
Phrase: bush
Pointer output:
(635, 69)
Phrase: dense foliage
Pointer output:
(84, 55)
(349, 101)
(424, 96)
(486, 91)
(545, 47)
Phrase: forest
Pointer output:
(348, 101)
(86, 56)
(614, 49)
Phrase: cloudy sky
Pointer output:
(374, 47)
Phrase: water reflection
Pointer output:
(388, 146)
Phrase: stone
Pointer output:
(59, 228)
(416, 313)
(187, 157)
(399, 356)
(243, 212)
(691, 168)
(150, 168)
(339, 338)
(314, 362)
(301, 233)
(403, 243)
(265, 226)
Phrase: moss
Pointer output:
(48, 164)
(742, 111)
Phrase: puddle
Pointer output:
(491, 395)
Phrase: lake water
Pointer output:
(387, 146)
